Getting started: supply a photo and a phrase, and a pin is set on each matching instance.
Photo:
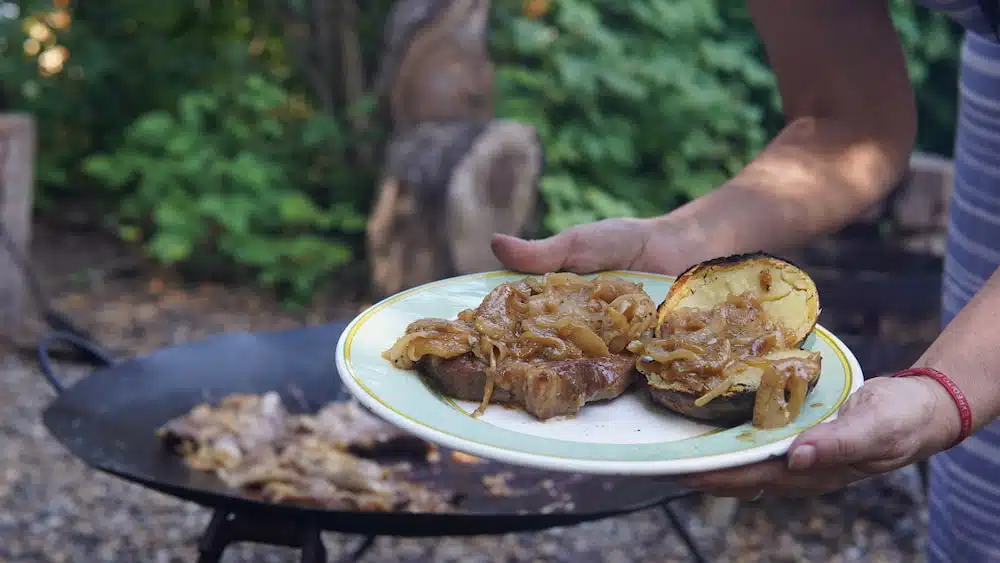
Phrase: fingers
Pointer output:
(610, 244)
(774, 479)
(858, 435)
(751, 477)
(532, 256)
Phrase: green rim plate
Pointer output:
(626, 436)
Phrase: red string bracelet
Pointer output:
(964, 410)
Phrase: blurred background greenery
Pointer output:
(202, 133)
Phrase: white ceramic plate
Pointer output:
(626, 436)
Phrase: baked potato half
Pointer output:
(787, 296)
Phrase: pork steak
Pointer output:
(544, 389)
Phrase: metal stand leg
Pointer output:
(313, 550)
(362, 549)
(227, 528)
(682, 531)
(211, 546)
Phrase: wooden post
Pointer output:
(17, 177)
(452, 174)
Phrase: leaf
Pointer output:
(532, 36)
(577, 73)
(169, 247)
(193, 107)
(152, 129)
(130, 233)
(107, 170)
(297, 209)
(182, 144)
(320, 129)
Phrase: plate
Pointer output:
(626, 436)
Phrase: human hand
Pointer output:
(887, 424)
(612, 244)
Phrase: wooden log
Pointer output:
(922, 203)
(452, 174)
(435, 65)
(446, 188)
(17, 177)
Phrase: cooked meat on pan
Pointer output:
(254, 445)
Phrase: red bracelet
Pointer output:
(964, 410)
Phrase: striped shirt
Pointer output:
(964, 497)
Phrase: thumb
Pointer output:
(853, 437)
(532, 256)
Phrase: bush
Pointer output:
(191, 135)
(198, 136)
(225, 173)
(642, 106)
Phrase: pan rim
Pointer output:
(59, 412)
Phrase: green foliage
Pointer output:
(185, 127)
(221, 175)
(644, 105)
(640, 105)
(125, 58)
(932, 43)
(192, 127)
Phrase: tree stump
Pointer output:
(435, 65)
(446, 188)
(452, 174)
(17, 171)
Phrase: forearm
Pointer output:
(851, 119)
(815, 177)
(968, 352)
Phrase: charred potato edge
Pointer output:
(736, 405)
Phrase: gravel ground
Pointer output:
(54, 509)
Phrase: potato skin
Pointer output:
(733, 408)
(736, 406)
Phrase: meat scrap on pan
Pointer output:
(723, 347)
(254, 445)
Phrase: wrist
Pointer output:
(683, 237)
(949, 416)
(946, 424)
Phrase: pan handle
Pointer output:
(88, 351)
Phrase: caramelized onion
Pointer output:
(664, 357)
(782, 392)
(444, 343)
(718, 390)
(769, 405)
(585, 339)
(558, 347)
(491, 381)
(558, 316)
(697, 348)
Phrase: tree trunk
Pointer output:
(452, 174)
(446, 188)
(17, 169)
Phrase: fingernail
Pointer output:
(802, 458)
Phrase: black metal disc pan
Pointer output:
(108, 419)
